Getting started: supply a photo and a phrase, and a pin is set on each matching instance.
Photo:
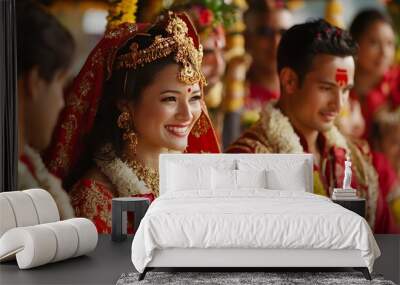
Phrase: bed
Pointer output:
(246, 211)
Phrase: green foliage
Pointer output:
(223, 13)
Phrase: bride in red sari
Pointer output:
(139, 94)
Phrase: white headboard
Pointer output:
(280, 162)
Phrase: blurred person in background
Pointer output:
(45, 53)
(350, 120)
(377, 78)
(266, 21)
(351, 123)
(377, 90)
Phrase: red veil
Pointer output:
(77, 118)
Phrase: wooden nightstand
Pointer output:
(356, 205)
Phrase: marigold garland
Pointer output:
(121, 11)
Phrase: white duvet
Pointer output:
(253, 218)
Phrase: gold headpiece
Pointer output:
(179, 42)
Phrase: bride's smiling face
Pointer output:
(166, 111)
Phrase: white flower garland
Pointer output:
(123, 177)
(45, 180)
(280, 131)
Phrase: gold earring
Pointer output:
(132, 139)
(124, 122)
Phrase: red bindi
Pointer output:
(341, 77)
(189, 90)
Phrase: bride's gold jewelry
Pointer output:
(178, 42)
(148, 175)
(124, 122)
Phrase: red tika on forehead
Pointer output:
(341, 77)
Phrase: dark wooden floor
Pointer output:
(106, 264)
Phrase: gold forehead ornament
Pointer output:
(178, 42)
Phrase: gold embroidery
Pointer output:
(178, 42)
(148, 175)
(70, 126)
(97, 58)
(91, 202)
(76, 103)
(201, 126)
(85, 87)
(117, 33)
(62, 161)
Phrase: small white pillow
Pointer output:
(251, 178)
(224, 179)
(191, 177)
(280, 181)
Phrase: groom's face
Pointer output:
(317, 100)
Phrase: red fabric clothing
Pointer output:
(92, 199)
(387, 92)
(258, 97)
(331, 167)
(388, 182)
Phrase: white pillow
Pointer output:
(282, 173)
(251, 178)
(277, 180)
(183, 177)
(224, 179)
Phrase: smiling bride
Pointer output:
(139, 94)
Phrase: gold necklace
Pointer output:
(148, 175)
